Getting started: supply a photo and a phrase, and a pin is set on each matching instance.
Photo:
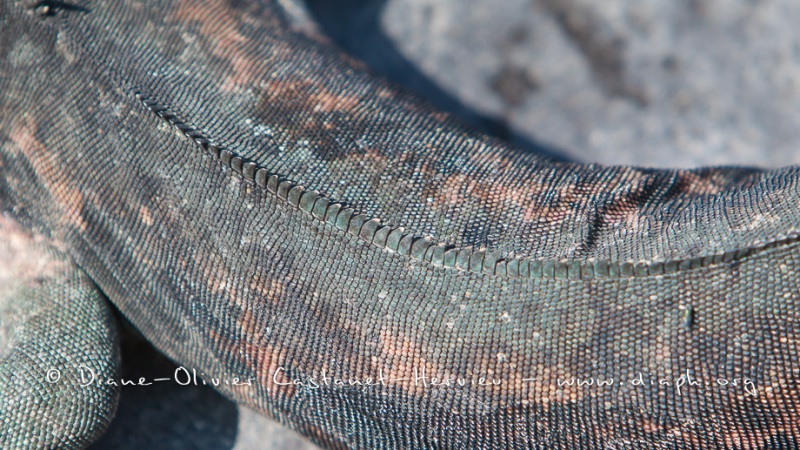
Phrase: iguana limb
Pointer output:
(57, 340)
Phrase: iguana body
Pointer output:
(261, 208)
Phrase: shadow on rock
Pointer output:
(355, 26)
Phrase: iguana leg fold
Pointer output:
(54, 327)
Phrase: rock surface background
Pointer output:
(669, 83)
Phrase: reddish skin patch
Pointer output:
(689, 437)
(546, 390)
(499, 196)
(218, 281)
(145, 216)
(456, 189)
(739, 439)
(269, 289)
(270, 369)
(314, 96)
(22, 258)
(401, 356)
(694, 184)
(495, 197)
(48, 168)
(23, 262)
(219, 24)
(265, 360)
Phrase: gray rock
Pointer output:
(675, 83)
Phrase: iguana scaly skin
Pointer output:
(57, 320)
(259, 207)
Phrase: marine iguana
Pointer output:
(359, 266)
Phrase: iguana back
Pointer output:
(260, 207)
